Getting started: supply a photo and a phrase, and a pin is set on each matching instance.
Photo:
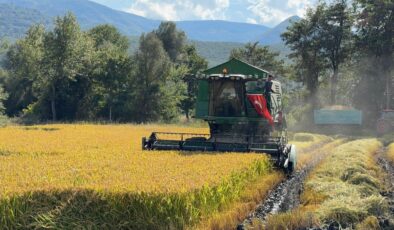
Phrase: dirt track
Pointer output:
(389, 193)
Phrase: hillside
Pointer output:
(221, 31)
(214, 39)
(15, 20)
(272, 36)
(216, 52)
(90, 14)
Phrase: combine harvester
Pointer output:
(242, 116)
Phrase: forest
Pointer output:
(341, 54)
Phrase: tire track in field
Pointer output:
(388, 168)
(286, 196)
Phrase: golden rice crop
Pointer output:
(104, 158)
(390, 152)
(92, 161)
(97, 176)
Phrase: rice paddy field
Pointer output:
(345, 189)
(97, 177)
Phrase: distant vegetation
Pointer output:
(14, 21)
(336, 57)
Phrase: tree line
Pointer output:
(69, 74)
(341, 53)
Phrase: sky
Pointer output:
(266, 12)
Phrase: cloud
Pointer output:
(173, 10)
(251, 20)
(266, 13)
(274, 11)
(299, 5)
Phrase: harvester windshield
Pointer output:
(227, 98)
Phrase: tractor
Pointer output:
(385, 123)
(242, 116)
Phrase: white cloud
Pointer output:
(274, 11)
(300, 6)
(266, 13)
(179, 9)
(136, 11)
(147, 8)
(251, 20)
(222, 3)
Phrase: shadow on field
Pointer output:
(43, 129)
(93, 210)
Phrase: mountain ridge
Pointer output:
(90, 14)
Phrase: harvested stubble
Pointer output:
(390, 153)
(303, 141)
(345, 188)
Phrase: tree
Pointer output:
(172, 39)
(113, 67)
(259, 56)
(23, 64)
(194, 64)
(67, 51)
(108, 35)
(374, 42)
(336, 36)
(3, 97)
(304, 40)
(375, 32)
(152, 72)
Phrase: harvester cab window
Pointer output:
(227, 99)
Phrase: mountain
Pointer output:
(272, 36)
(214, 39)
(223, 31)
(14, 20)
(90, 14)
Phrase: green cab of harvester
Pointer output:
(244, 111)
